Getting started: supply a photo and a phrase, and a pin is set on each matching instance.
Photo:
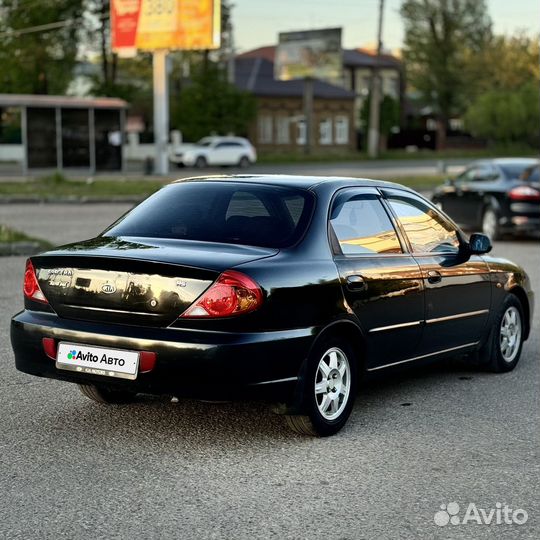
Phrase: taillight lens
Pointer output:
(524, 193)
(31, 287)
(233, 293)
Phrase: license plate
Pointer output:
(97, 360)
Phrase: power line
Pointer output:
(58, 25)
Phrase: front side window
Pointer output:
(362, 226)
(426, 229)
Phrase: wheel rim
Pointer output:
(489, 223)
(510, 335)
(332, 383)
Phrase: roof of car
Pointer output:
(303, 182)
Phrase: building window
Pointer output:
(391, 86)
(265, 130)
(283, 134)
(325, 131)
(301, 133)
(342, 130)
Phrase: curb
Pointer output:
(20, 248)
(70, 200)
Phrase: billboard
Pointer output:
(313, 53)
(165, 24)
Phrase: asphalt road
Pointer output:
(70, 468)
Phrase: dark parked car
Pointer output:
(287, 288)
(498, 195)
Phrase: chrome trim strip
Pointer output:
(425, 356)
(288, 379)
(395, 326)
(458, 316)
(109, 310)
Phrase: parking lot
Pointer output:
(70, 468)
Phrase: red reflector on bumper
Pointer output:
(49, 346)
(147, 361)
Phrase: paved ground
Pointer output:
(70, 468)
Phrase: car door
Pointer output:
(472, 193)
(457, 286)
(382, 283)
(219, 154)
(454, 195)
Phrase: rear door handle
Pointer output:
(434, 276)
(356, 283)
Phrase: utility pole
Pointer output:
(230, 45)
(308, 114)
(161, 112)
(375, 94)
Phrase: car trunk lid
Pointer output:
(134, 280)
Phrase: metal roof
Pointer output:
(256, 75)
(30, 100)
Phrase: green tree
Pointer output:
(439, 34)
(506, 115)
(389, 117)
(211, 105)
(40, 62)
(504, 63)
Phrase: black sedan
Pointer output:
(288, 288)
(499, 196)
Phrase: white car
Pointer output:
(210, 151)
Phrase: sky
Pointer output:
(257, 22)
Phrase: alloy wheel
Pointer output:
(510, 334)
(332, 383)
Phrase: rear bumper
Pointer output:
(211, 365)
(523, 217)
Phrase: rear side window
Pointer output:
(362, 226)
(521, 172)
(225, 212)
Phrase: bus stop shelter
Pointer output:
(62, 132)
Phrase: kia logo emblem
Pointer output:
(108, 288)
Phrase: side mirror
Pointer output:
(479, 244)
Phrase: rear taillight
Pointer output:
(524, 193)
(31, 287)
(233, 293)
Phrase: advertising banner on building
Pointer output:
(314, 53)
(165, 24)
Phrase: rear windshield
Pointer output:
(522, 171)
(225, 212)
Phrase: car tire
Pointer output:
(329, 389)
(490, 224)
(244, 162)
(100, 394)
(502, 350)
(201, 163)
